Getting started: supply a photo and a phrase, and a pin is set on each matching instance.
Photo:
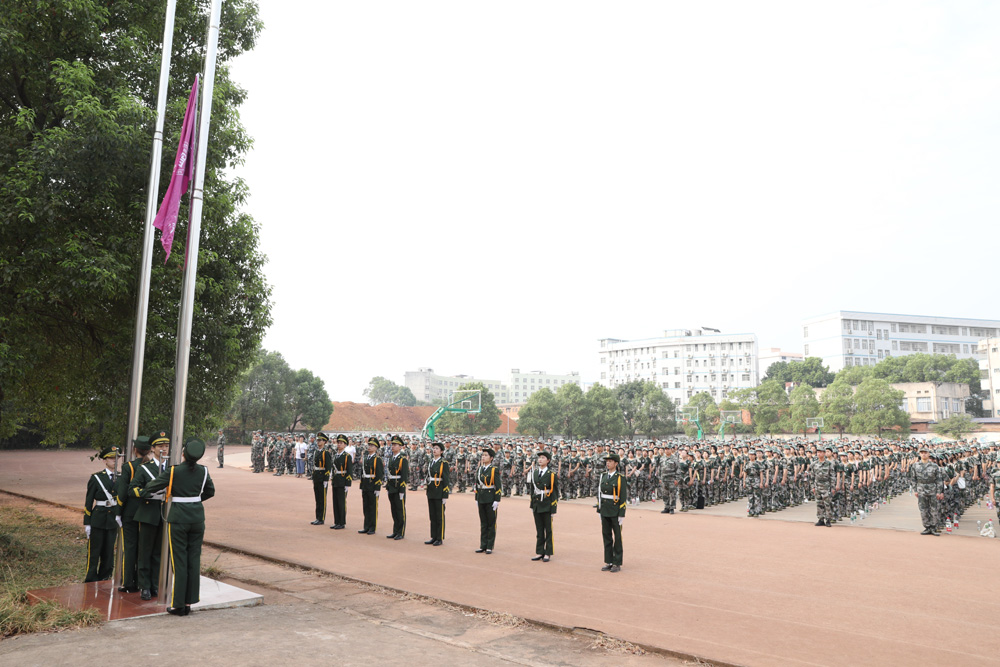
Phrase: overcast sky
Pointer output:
(478, 186)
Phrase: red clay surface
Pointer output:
(728, 589)
(389, 418)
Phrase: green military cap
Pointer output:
(343, 438)
(322, 436)
(437, 444)
(141, 444)
(108, 453)
(158, 438)
(373, 441)
(490, 451)
(548, 457)
(396, 440)
(613, 457)
(194, 448)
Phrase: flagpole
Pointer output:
(145, 265)
(191, 265)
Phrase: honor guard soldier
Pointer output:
(438, 481)
(340, 481)
(372, 472)
(130, 528)
(397, 477)
(101, 518)
(186, 486)
(148, 515)
(322, 464)
(612, 497)
(488, 493)
(544, 498)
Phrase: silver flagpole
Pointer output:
(191, 269)
(145, 266)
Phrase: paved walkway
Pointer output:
(727, 588)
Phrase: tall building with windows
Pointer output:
(428, 386)
(853, 338)
(989, 374)
(683, 362)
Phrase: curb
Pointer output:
(547, 625)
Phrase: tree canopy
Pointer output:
(77, 106)
(810, 371)
(483, 423)
(381, 390)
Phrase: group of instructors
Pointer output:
(130, 502)
(333, 470)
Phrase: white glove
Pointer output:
(326, 484)
(621, 521)
(87, 529)
(377, 491)
(444, 501)
(118, 520)
(496, 504)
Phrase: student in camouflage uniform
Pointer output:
(824, 482)
(929, 479)
(753, 475)
(257, 453)
(669, 474)
(221, 447)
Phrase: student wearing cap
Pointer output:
(128, 504)
(186, 486)
(372, 472)
(544, 498)
(101, 519)
(340, 481)
(322, 464)
(148, 515)
(488, 493)
(612, 496)
(437, 493)
(397, 476)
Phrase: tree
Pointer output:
(810, 371)
(765, 402)
(76, 122)
(956, 426)
(657, 418)
(877, 408)
(381, 390)
(644, 406)
(603, 416)
(708, 413)
(311, 405)
(485, 422)
(837, 405)
(571, 411)
(802, 405)
(855, 375)
(539, 414)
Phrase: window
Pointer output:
(965, 348)
(893, 327)
(956, 405)
(746, 377)
(924, 404)
(878, 334)
(677, 385)
(603, 360)
(677, 370)
(805, 332)
(847, 325)
(880, 354)
(895, 345)
(904, 405)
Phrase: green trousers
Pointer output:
(185, 560)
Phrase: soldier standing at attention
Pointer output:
(100, 518)
(148, 515)
(372, 472)
(322, 464)
(130, 529)
(438, 488)
(397, 476)
(612, 496)
(221, 451)
(186, 485)
(824, 480)
(544, 498)
(340, 481)
(930, 480)
(489, 490)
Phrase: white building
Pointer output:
(852, 338)
(989, 373)
(772, 355)
(428, 386)
(683, 362)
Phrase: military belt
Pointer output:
(104, 503)
(367, 476)
(186, 499)
(434, 479)
(394, 476)
(486, 487)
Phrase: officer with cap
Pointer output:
(489, 490)
(148, 514)
(186, 486)
(322, 464)
(397, 477)
(438, 488)
(372, 472)
(101, 519)
(340, 481)
(612, 496)
(544, 498)
(128, 504)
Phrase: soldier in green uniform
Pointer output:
(186, 486)
(148, 515)
(101, 519)
(824, 484)
(544, 499)
(397, 476)
(340, 481)
(221, 450)
(322, 464)
(489, 490)
(372, 472)
(438, 487)
(929, 479)
(128, 504)
(612, 496)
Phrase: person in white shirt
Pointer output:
(300, 455)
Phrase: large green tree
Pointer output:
(571, 411)
(540, 414)
(77, 97)
(956, 426)
(644, 407)
(802, 405)
(708, 414)
(837, 405)
(810, 371)
(766, 403)
(604, 415)
(483, 423)
(309, 401)
(381, 390)
(877, 408)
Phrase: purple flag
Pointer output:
(166, 216)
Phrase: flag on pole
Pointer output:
(166, 216)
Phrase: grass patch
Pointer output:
(37, 552)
